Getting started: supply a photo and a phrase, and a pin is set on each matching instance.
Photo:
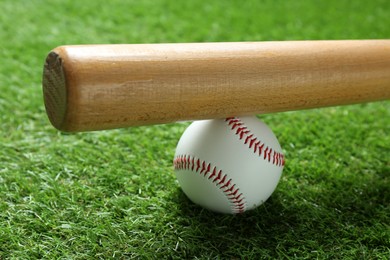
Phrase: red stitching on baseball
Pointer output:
(254, 143)
(232, 193)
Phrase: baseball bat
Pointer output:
(95, 87)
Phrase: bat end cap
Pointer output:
(54, 90)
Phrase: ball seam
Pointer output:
(216, 176)
(254, 143)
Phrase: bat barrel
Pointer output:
(94, 87)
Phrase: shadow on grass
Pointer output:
(347, 215)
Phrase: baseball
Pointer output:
(228, 165)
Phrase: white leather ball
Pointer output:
(228, 165)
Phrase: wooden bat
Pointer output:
(95, 87)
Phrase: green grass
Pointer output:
(113, 194)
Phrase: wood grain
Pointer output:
(93, 87)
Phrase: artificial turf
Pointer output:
(113, 194)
